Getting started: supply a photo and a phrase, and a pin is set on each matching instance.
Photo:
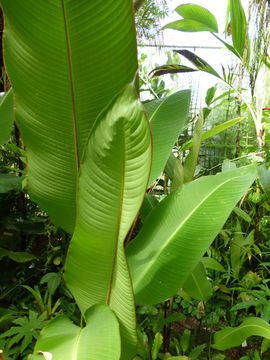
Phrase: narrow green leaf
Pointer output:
(156, 346)
(238, 25)
(214, 131)
(200, 64)
(197, 285)
(242, 214)
(210, 263)
(167, 122)
(185, 340)
(228, 46)
(113, 179)
(236, 250)
(210, 95)
(231, 337)
(167, 249)
(65, 62)
(196, 18)
(192, 158)
(99, 339)
(18, 256)
(6, 116)
(265, 345)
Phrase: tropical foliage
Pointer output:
(106, 224)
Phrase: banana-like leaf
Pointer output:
(197, 285)
(6, 116)
(99, 339)
(113, 179)
(200, 64)
(168, 248)
(196, 18)
(167, 122)
(66, 60)
(231, 337)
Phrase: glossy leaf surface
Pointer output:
(99, 339)
(6, 117)
(113, 179)
(231, 337)
(66, 60)
(167, 122)
(196, 18)
(167, 248)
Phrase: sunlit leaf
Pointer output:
(196, 18)
(65, 62)
(167, 122)
(112, 183)
(99, 339)
(165, 242)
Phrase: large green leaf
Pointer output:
(167, 248)
(231, 337)
(112, 183)
(167, 122)
(99, 339)
(66, 60)
(196, 18)
(6, 116)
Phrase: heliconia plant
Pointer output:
(72, 67)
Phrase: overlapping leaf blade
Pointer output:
(167, 248)
(113, 179)
(167, 121)
(66, 60)
(99, 339)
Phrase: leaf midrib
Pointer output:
(166, 243)
(119, 218)
(71, 87)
